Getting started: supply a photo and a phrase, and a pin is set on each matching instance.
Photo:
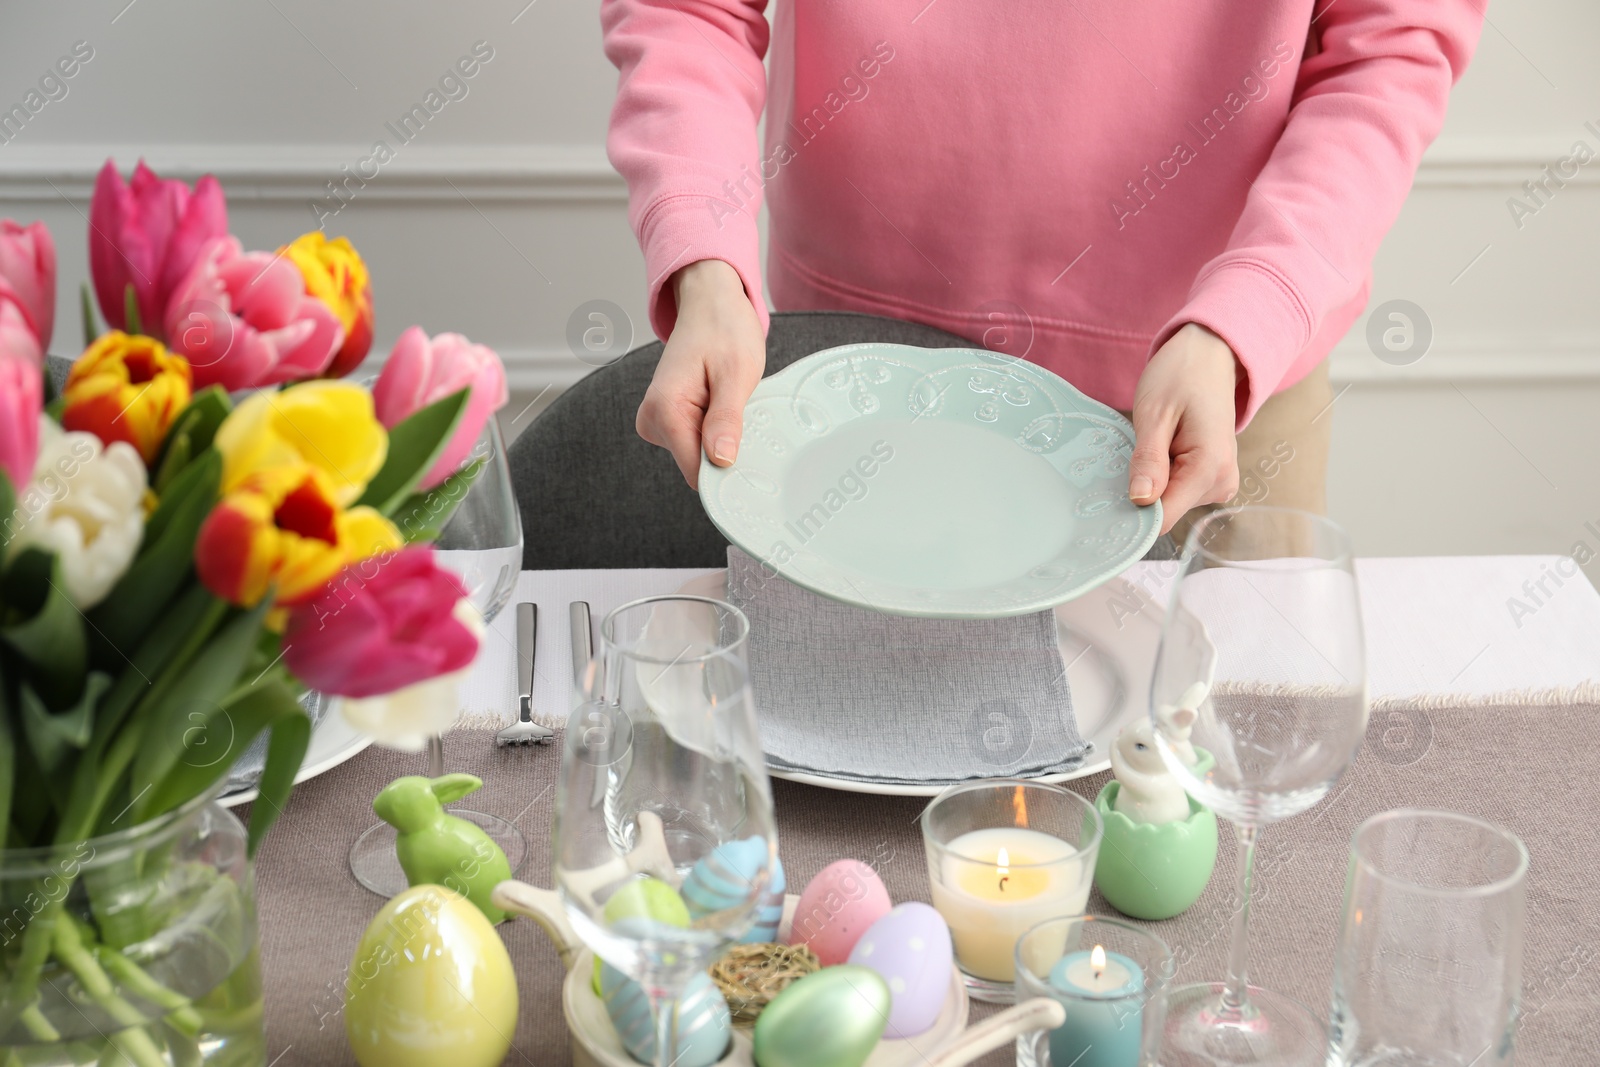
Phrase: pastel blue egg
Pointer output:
(722, 880)
(704, 1025)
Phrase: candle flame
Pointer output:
(1003, 868)
(1019, 803)
(1097, 960)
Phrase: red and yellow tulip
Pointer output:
(284, 529)
(336, 275)
(127, 388)
(327, 426)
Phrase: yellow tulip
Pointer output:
(328, 426)
(126, 387)
(335, 274)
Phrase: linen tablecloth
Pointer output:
(1526, 768)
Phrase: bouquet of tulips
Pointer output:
(207, 522)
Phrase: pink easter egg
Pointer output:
(837, 907)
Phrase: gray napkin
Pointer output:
(857, 694)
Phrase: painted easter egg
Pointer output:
(722, 880)
(430, 983)
(910, 949)
(831, 1018)
(704, 1026)
(643, 898)
(837, 907)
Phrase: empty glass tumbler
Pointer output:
(1429, 964)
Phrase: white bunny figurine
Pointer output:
(1149, 792)
(1177, 722)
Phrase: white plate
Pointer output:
(1108, 636)
(333, 742)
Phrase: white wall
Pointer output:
(502, 217)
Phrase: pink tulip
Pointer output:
(28, 275)
(420, 372)
(21, 398)
(148, 233)
(18, 342)
(386, 623)
(243, 320)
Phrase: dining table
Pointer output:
(1484, 685)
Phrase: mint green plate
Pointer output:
(948, 483)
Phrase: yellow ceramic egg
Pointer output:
(430, 983)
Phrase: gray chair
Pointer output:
(593, 494)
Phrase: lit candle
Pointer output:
(1103, 996)
(995, 884)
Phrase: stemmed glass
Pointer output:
(481, 542)
(1262, 658)
(662, 767)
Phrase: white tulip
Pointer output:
(85, 503)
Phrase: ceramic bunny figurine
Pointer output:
(438, 848)
(1177, 721)
(1149, 793)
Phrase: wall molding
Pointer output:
(297, 172)
(1506, 364)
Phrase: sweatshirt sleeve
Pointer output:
(690, 91)
(1366, 105)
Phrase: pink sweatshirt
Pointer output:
(1070, 180)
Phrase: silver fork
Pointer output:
(525, 731)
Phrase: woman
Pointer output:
(1177, 203)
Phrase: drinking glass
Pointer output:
(661, 767)
(482, 543)
(1262, 665)
(1429, 967)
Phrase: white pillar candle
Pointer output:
(994, 884)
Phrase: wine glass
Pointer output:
(1262, 658)
(482, 543)
(662, 776)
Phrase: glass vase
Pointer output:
(138, 947)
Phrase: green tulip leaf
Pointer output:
(9, 520)
(165, 560)
(91, 328)
(132, 322)
(191, 434)
(212, 743)
(423, 516)
(49, 635)
(54, 736)
(172, 712)
(415, 445)
(8, 775)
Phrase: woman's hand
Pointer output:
(709, 367)
(1184, 409)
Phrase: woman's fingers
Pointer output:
(1149, 468)
(674, 425)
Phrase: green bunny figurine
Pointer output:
(438, 848)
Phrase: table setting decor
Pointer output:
(205, 525)
(1110, 979)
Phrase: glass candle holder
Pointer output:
(1429, 964)
(1003, 856)
(1110, 977)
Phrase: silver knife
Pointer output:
(525, 731)
(582, 638)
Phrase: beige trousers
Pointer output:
(1283, 453)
